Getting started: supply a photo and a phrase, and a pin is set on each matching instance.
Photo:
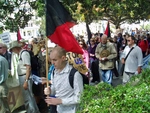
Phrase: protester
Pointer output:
(120, 41)
(66, 98)
(4, 107)
(85, 55)
(93, 60)
(143, 44)
(23, 42)
(148, 39)
(91, 50)
(133, 62)
(37, 88)
(24, 72)
(4, 51)
(106, 53)
(116, 61)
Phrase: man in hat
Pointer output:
(4, 107)
(24, 72)
(106, 53)
(23, 42)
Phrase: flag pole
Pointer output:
(46, 41)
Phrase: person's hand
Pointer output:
(25, 85)
(100, 58)
(122, 61)
(47, 91)
(91, 54)
(53, 101)
(44, 80)
(146, 53)
(105, 58)
(139, 70)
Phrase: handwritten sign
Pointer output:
(77, 61)
(5, 37)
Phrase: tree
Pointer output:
(120, 11)
(15, 13)
(116, 11)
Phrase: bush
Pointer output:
(133, 97)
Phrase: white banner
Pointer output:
(5, 37)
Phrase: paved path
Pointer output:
(117, 81)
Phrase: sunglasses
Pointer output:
(128, 40)
(91, 40)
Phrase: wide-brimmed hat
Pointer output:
(13, 45)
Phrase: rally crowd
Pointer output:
(104, 56)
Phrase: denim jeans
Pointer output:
(106, 76)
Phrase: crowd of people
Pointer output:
(109, 55)
(105, 57)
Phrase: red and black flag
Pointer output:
(58, 24)
(18, 36)
(89, 34)
(107, 30)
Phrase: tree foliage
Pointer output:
(15, 13)
(116, 11)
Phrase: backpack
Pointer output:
(33, 60)
(71, 77)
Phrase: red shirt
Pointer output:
(143, 44)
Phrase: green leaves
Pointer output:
(117, 11)
(16, 13)
(133, 97)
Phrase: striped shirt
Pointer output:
(61, 89)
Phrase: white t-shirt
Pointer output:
(24, 59)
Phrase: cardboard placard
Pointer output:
(77, 61)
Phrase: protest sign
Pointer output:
(5, 37)
(77, 61)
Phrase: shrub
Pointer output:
(133, 97)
